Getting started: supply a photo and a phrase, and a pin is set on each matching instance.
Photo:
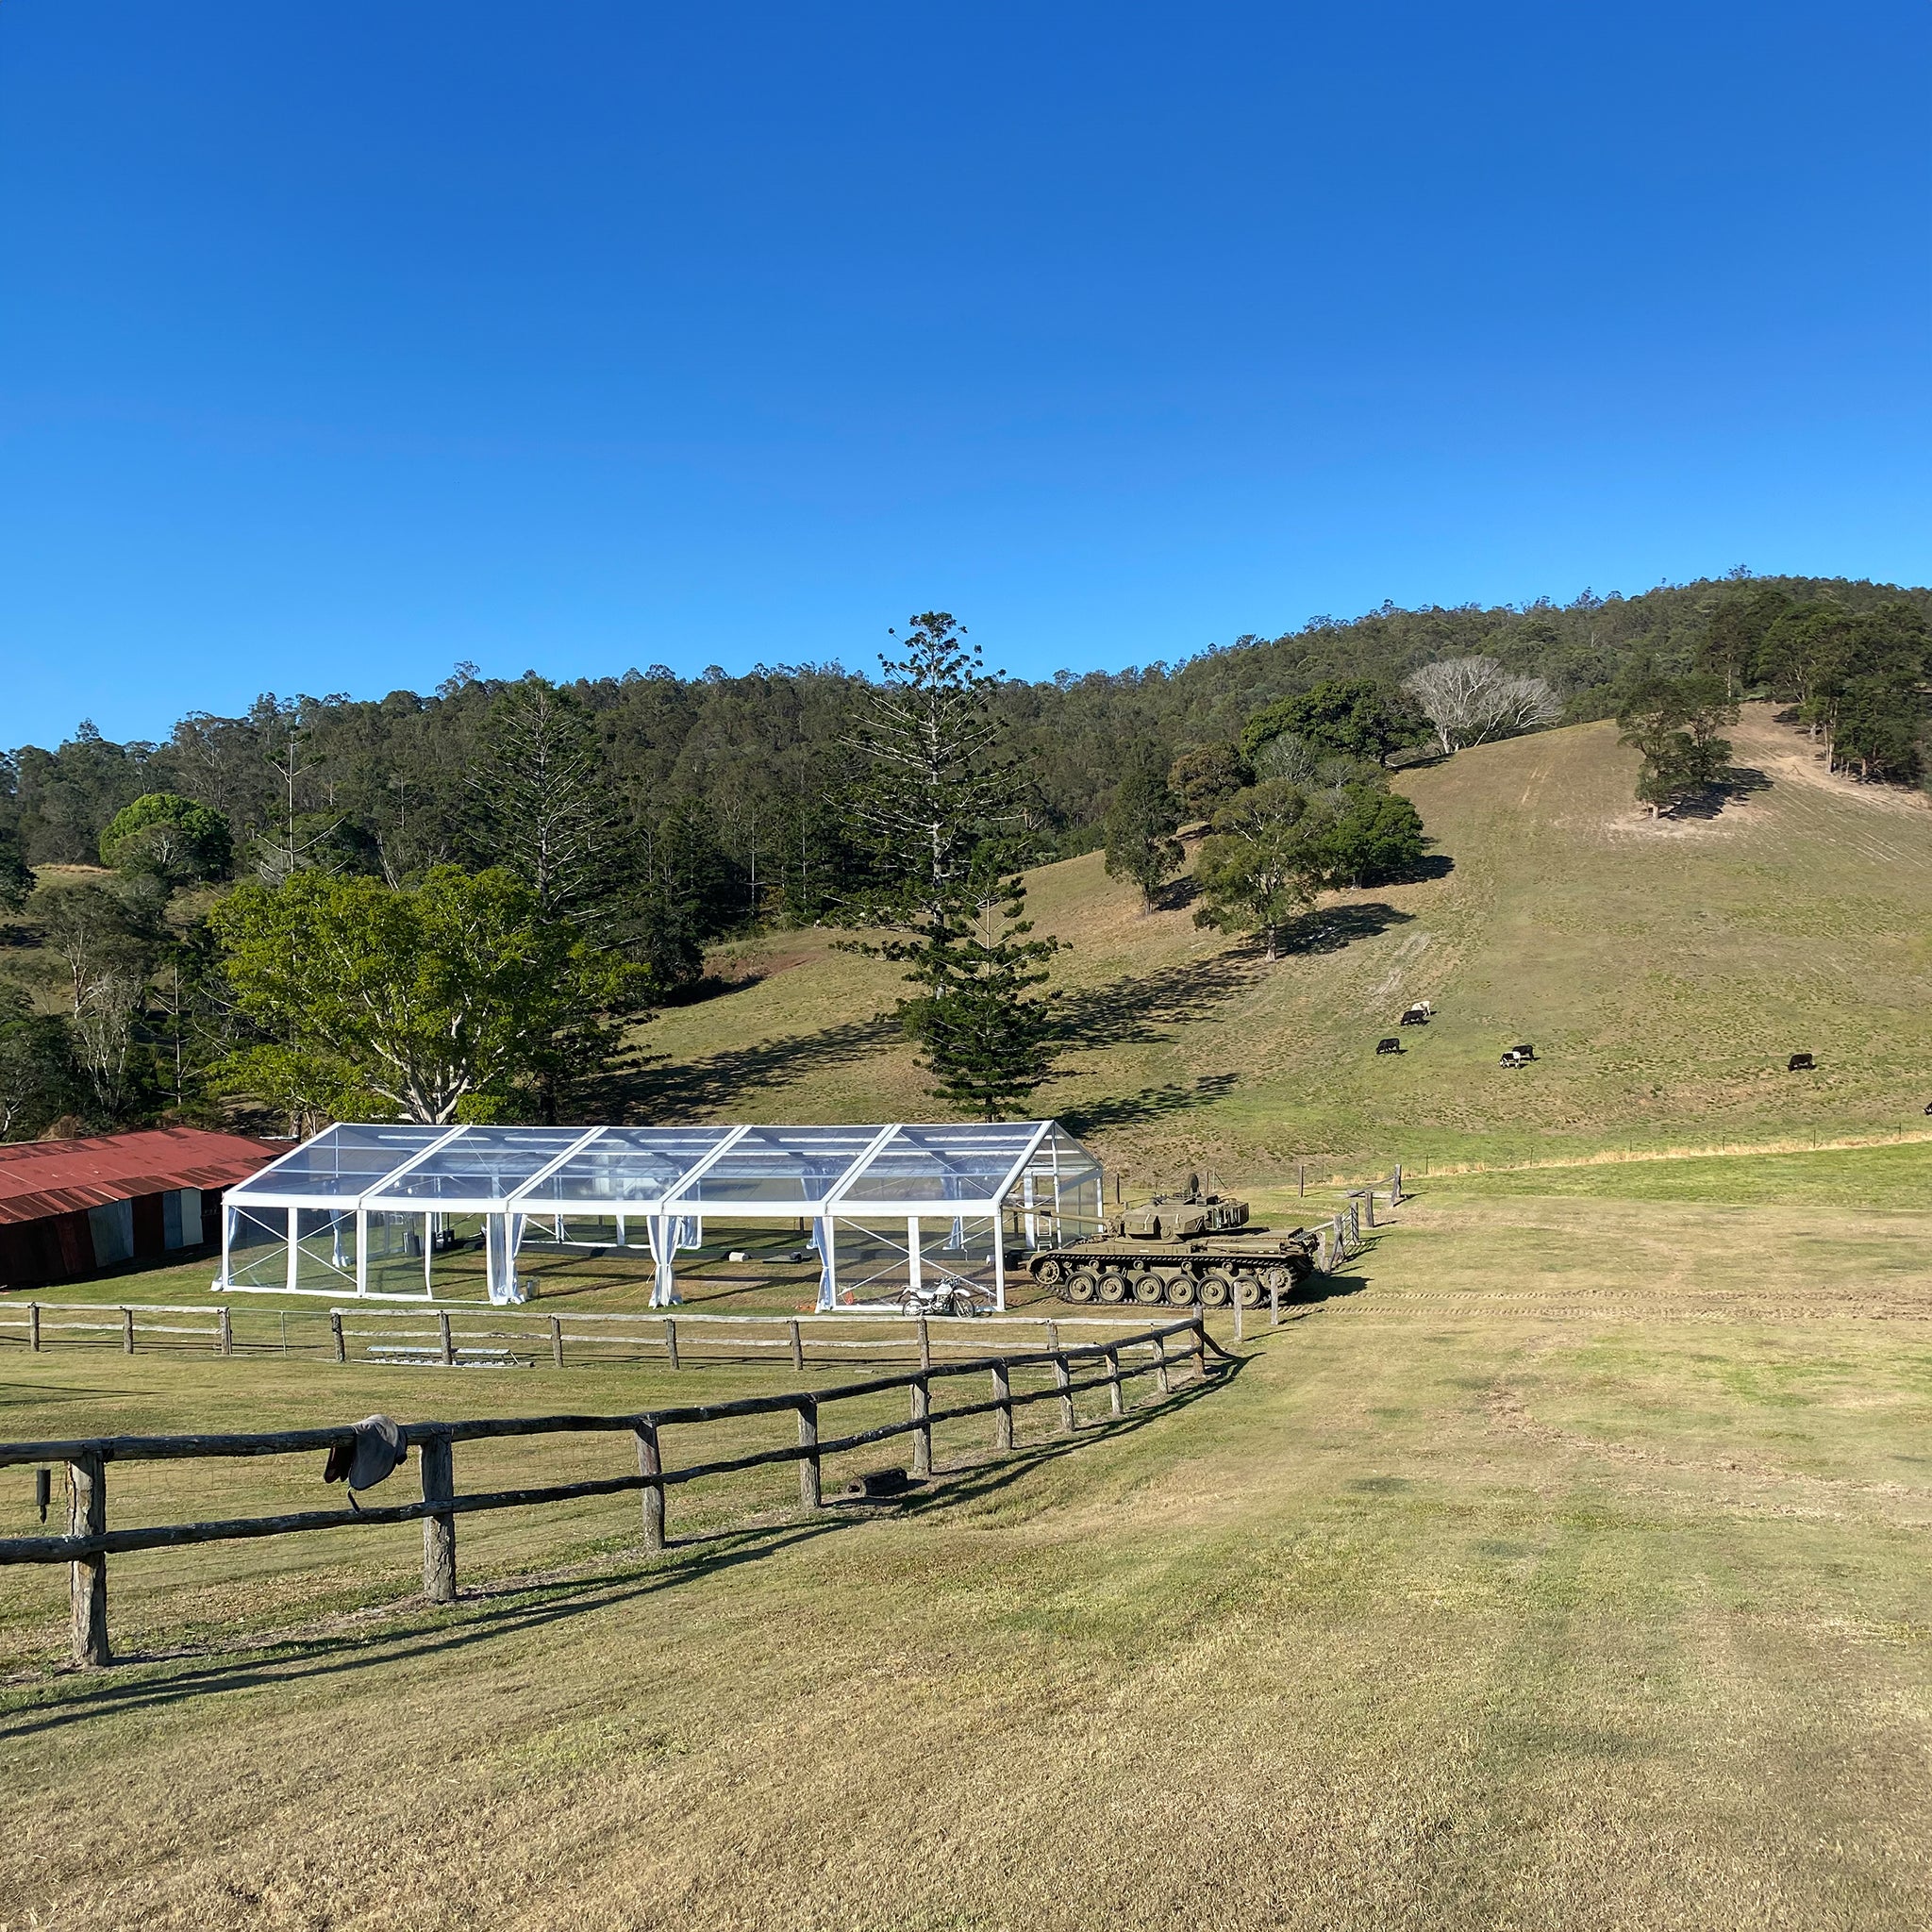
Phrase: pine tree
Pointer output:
(1141, 825)
(936, 814)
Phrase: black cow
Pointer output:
(1390, 1045)
(1518, 1057)
(1417, 1015)
(1801, 1063)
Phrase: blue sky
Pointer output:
(339, 343)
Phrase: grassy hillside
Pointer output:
(1663, 971)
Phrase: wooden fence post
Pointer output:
(1275, 1305)
(335, 1334)
(1062, 1377)
(225, 1331)
(1199, 1326)
(126, 1331)
(557, 1341)
(650, 1465)
(1237, 1313)
(924, 1344)
(33, 1326)
(1369, 1206)
(797, 1347)
(1160, 1381)
(1395, 1186)
(921, 1433)
(1003, 1415)
(87, 1576)
(671, 1339)
(1115, 1403)
(437, 1457)
(449, 1346)
(809, 1494)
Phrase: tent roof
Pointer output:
(755, 1173)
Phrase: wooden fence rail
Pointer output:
(462, 1330)
(89, 1541)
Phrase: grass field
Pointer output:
(1664, 972)
(1564, 1567)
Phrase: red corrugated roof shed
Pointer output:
(39, 1177)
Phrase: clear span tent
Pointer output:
(366, 1210)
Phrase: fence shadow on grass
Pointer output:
(510, 1607)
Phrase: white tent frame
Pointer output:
(825, 1200)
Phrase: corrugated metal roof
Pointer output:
(41, 1178)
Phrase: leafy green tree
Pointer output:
(937, 813)
(16, 875)
(1271, 853)
(1879, 726)
(441, 1003)
(677, 897)
(1732, 647)
(1376, 836)
(1672, 725)
(1140, 824)
(39, 1080)
(1205, 776)
(1354, 717)
(170, 837)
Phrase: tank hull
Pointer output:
(1115, 1271)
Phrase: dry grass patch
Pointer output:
(1603, 1607)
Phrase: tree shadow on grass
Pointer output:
(515, 1607)
(1131, 1011)
(1330, 928)
(1739, 783)
(1150, 1104)
(645, 1086)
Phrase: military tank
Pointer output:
(1177, 1249)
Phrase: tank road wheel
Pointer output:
(1049, 1271)
(1113, 1287)
(1247, 1289)
(1217, 1291)
(1180, 1290)
(1083, 1285)
(1277, 1280)
(1148, 1289)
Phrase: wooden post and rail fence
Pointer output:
(478, 1334)
(89, 1541)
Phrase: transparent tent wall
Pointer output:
(873, 1257)
(326, 1250)
(258, 1248)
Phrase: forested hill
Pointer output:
(738, 777)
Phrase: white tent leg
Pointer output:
(999, 1264)
(361, 1251)
(294, 1246)
(428, 1251)
(915, 1273)
(227, 1244)
(828, 1272)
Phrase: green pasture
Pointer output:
(1561, 1564)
